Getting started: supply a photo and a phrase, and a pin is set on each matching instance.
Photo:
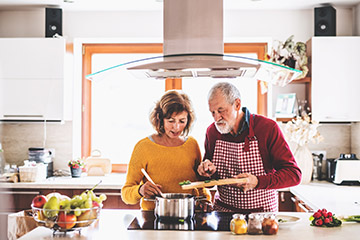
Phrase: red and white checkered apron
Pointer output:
(232, 159)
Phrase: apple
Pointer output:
(66, 221)
(39, 201)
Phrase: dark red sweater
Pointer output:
(279, 163)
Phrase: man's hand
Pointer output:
(250, 184)
(149, 190)
(206, 168)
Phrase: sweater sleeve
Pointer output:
(282, 170)
(130, 191)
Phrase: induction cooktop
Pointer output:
(214, 221)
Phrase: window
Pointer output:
(115, 112)
(120, 107)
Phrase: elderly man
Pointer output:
(243, 145)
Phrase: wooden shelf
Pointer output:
(284, 120)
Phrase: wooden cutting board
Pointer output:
(225, 181)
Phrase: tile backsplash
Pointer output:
(16, 138)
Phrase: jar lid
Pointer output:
(238, 216)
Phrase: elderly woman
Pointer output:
(169, 156)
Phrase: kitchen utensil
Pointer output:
(150, 180)
(96, 165)
(211, 183)
(175, 205)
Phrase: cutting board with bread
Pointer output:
(211, 183)
(96, 165)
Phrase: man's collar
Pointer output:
(246, 123)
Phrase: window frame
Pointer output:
(88, 50)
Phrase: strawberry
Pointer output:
(318, 222)
(329, 214)
(326, 220)
(317, 215)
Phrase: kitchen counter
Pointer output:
(110, 181)
(113, 224)
(339, 199)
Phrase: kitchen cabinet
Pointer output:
(32, 79)
(334, 63)
(20, 199)
(288, 202)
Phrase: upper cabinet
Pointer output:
(335, 79)
(32, 79)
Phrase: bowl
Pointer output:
(65, 220)
(286, 221)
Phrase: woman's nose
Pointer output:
(176, 125)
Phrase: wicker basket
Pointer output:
(32, 173)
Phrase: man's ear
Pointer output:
(237, 104)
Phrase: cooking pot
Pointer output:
(175, 205)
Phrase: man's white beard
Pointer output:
(223, 129)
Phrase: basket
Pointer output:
(32, 173)
(57, 219)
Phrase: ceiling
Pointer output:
(151, 5)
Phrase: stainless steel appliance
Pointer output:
(42, 155)
(344, 170)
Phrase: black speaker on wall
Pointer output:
(53, 22)
(325, 21)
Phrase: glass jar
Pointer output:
(238, 224)
(270, 226)
(255, 224)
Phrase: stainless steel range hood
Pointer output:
(193, 47)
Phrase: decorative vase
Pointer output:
(76, 172)
(304, 159)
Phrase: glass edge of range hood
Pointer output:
(266, 71)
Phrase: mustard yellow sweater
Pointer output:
(167, 166)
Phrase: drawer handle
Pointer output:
(303, 207)
(18, 192)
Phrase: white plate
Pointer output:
(287, 220)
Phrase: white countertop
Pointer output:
(110, 181)
(341, 200)
(113, 225)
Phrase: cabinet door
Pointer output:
(32, 79)
(335, 78)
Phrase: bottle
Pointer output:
(270, 226)
(238, 224)
(255, 223)
(2, 160)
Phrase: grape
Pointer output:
(77, 211)
(64, 203)
(91, 195)
(88, 203)
(102, 197)
(97, 199)
(84, 195)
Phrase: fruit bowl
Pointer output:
(65, 220)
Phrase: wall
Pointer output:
(17, 137)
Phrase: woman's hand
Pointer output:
(206, 168)
(149, 190)
(204, 206)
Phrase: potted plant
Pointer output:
(290, 54)
(76, 165)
